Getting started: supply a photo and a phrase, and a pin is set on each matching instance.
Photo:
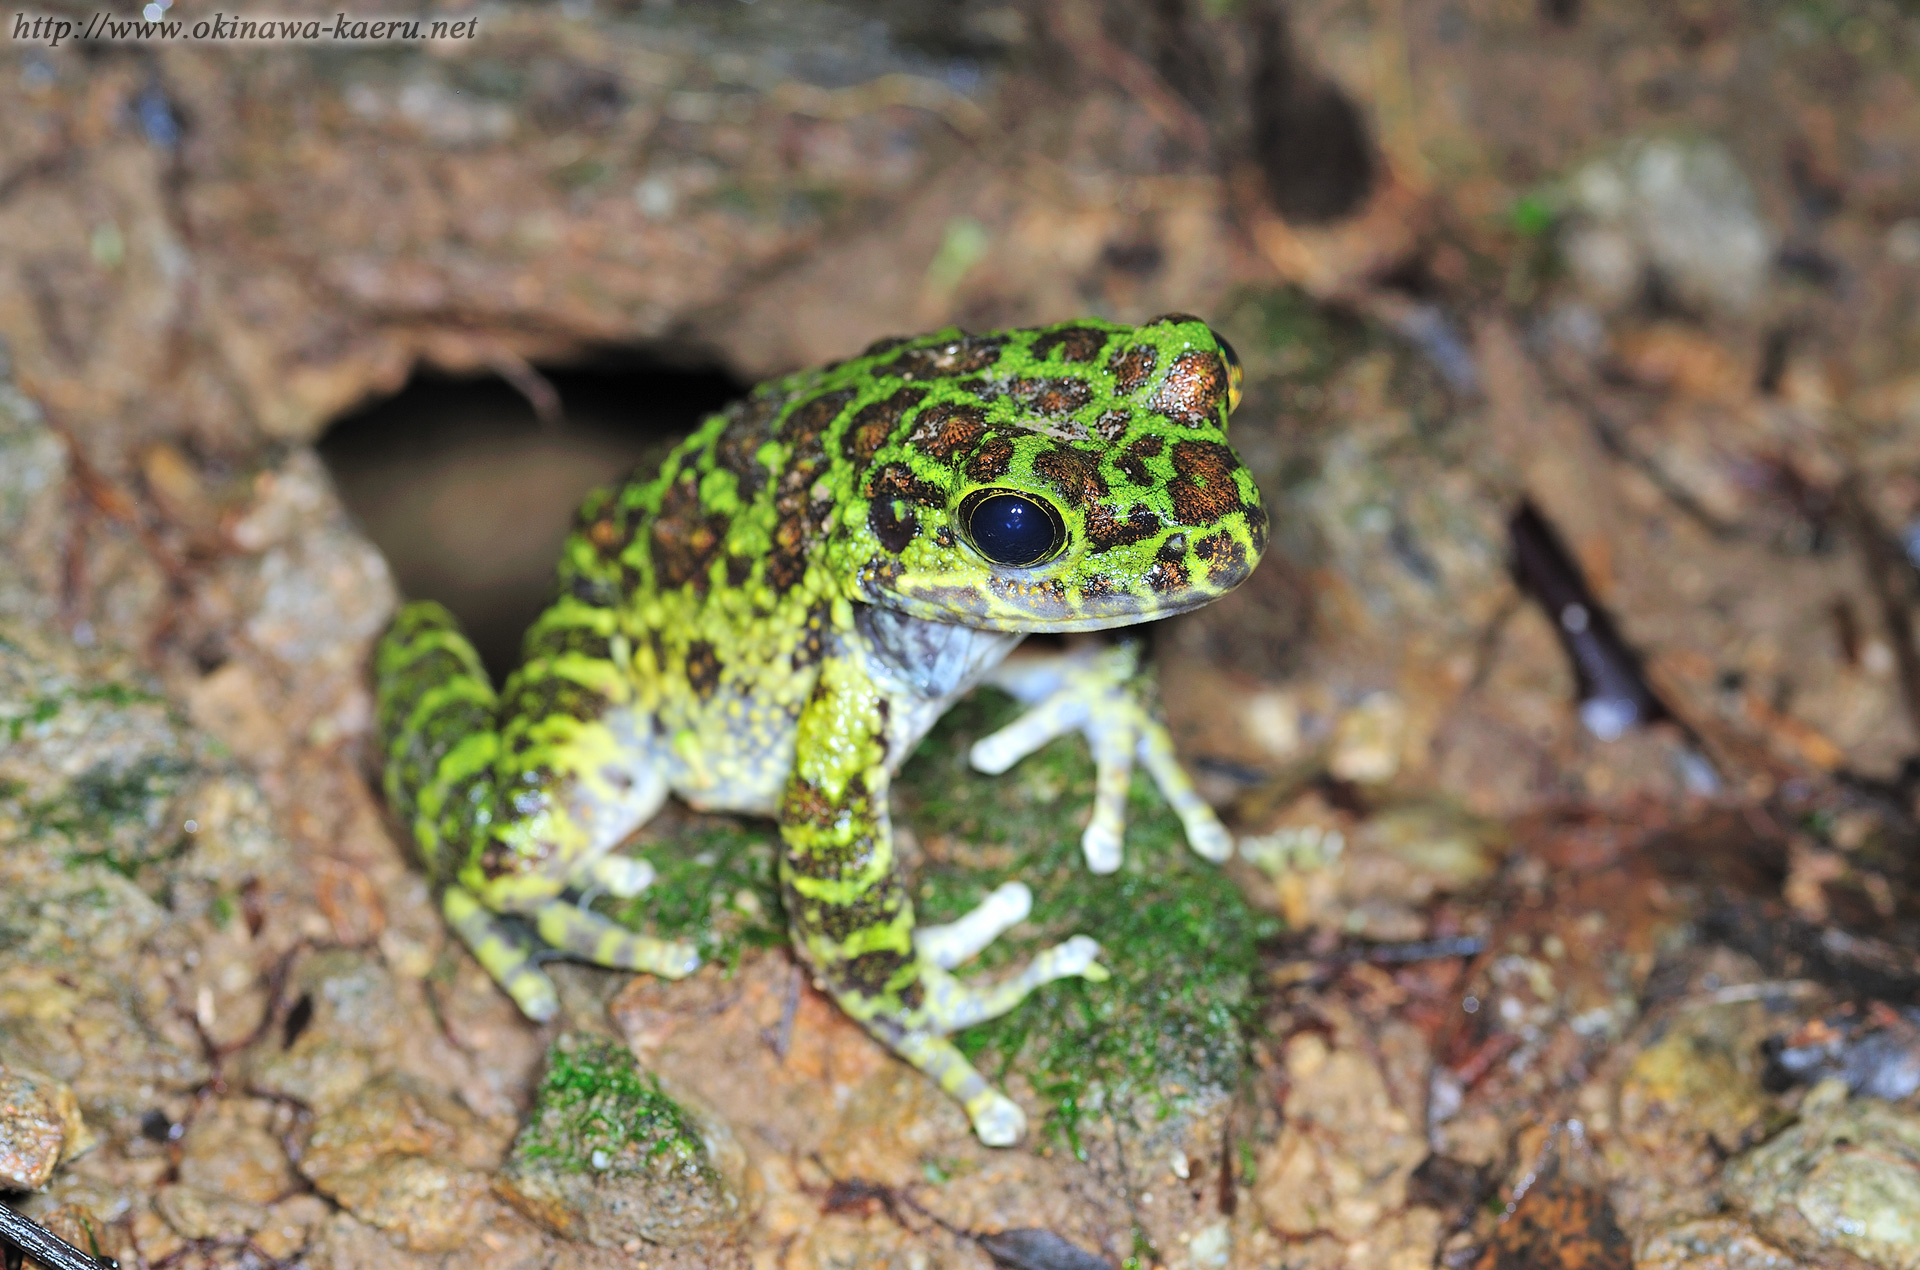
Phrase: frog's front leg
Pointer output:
(1103, 694)
(852, 920)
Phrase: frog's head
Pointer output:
(1063, 478)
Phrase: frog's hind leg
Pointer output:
(952, 1004)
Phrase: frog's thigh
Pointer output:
(501, 953)
(616, 782)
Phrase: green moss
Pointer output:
(597, 1110)
(1175, 932)
(110, 812)
(715, 890)
(43, 709)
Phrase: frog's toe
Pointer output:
(957, 942)
(997, 1119)
(1079, 956)
(593, 938)
(621, 876)
(1205, 834)
(1058, 715)
(502, 954)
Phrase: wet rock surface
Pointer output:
(1501, 976)
(607, 1157)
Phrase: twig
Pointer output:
(45, 1247)
(1893, 582)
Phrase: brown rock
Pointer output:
(405, 1158)
(290, 1226)
(228, 1150)
(198, 1214)
(39, 1126)
(608, 1157)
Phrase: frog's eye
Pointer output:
(1235, 376)
(1011, 528)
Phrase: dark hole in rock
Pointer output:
(299, 1018)
(1309, 138)
(469, 495)
(156, 1127)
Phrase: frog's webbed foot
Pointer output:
(621, 876)
(502, 952)
(1100, 695)
(949, 1004)
(945, 1004)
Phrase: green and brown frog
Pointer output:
(771, 623)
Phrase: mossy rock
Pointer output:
(1162, 1039)
(608, 1156)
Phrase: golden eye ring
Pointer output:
(1011, 527)
(1236, 377)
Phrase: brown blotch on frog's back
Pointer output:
(1074, 344)
(1194, 390)
(1132, 462)
(1204, 490)
(749, 426)
(703, 668)
(813, 417)
(1132, 366)
(1074, 475)
(948, 429)
(683, 538)
(1225, 557)
(1051, 397)
(874, 424)
(964, 356)
(1167, 575)
(1113, 424)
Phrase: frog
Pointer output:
(771, 623)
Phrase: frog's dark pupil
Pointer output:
(1010, 529)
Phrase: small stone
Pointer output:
(1367, 742)
(406, 1159)
(228, 1150)
(290, 1226)
(39, 1126)
(197, 1214)
(608, 1157)
(1681, 209)
(1846, 1178)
